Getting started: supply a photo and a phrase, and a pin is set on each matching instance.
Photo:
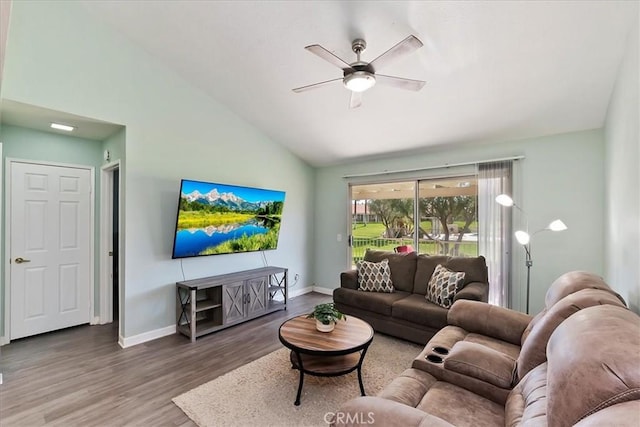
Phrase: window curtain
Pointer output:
(494, 227)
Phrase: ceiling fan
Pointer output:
(360, 75)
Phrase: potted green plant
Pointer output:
(326, 316)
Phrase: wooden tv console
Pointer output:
(212, 303)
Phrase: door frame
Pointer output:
(4, 338)
(106, 232)
(7, 236)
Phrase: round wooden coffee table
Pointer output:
(326, 354)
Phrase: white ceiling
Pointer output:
(494, 70)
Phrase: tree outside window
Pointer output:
(447, 217)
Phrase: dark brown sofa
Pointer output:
(406, 313)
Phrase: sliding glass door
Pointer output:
(432, 216)
(381, 216)
(448, 216)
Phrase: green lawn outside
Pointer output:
(376, 229)
(368, 231)
(426, 225)
(370, 237)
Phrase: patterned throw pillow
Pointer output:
(374, 276)
(443, 286)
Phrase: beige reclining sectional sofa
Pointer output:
(577, 362)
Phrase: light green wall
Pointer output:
(561, 177)
(23, 143)
(173, 131)
(27, 144)
(116, 145)
(622, 224)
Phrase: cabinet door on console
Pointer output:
(233, 298)
(257, 295)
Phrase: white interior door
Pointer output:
(50, 227)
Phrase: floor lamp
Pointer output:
(524, 238)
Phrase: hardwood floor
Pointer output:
(81, 376)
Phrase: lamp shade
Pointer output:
(522, 237)
(557, 225)
(504, 200)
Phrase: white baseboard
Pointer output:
(94, 321)
(4, 340)
(321, 290)
(299, 291)
(163, 332)
(146, 336)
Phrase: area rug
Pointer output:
(262, 392)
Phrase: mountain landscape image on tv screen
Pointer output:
(220, 219)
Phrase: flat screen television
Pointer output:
(218, 219)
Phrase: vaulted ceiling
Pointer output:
(494, 70)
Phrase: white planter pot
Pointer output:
(325, 328)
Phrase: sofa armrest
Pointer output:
(481, 362)
(370, 410)
(476, 291)
(349, 279)
(490, 320)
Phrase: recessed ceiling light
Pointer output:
(62, 127)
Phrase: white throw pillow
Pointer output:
(443, 286)
(374, 276)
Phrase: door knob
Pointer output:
(21, 260)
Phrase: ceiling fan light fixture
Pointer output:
(359, 81)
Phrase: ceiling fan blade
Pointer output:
(356, 100)
(329, 57)
(315, 85)
(405, 47)
(399, 82)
